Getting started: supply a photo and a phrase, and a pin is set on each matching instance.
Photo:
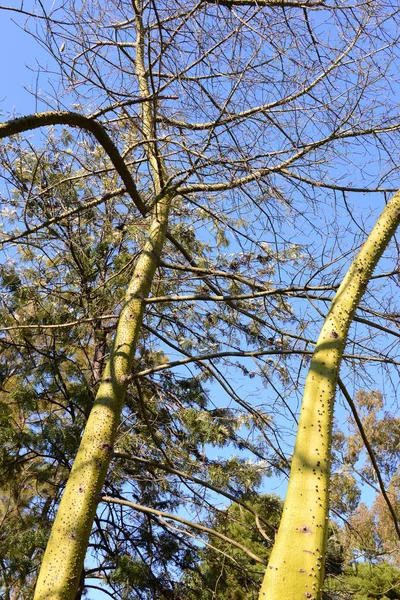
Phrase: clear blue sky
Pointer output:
(17, 51)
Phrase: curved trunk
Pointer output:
(296, 567)
(63, 560)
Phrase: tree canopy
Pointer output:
(176, 217)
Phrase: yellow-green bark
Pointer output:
(296, 567)
(66, 549)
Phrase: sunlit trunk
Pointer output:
(63, 560)
(296, 567)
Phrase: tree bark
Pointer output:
(63, 560)
(296, 567)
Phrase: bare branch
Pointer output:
(72, 119)
(165, 515)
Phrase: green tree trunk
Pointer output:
(66, 549)
(296, 567)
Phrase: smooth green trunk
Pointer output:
(296, 567)
(66, 549)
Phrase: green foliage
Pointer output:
(226, 572)
(364, 581)
(64, 284)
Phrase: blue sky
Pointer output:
(17, 51)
